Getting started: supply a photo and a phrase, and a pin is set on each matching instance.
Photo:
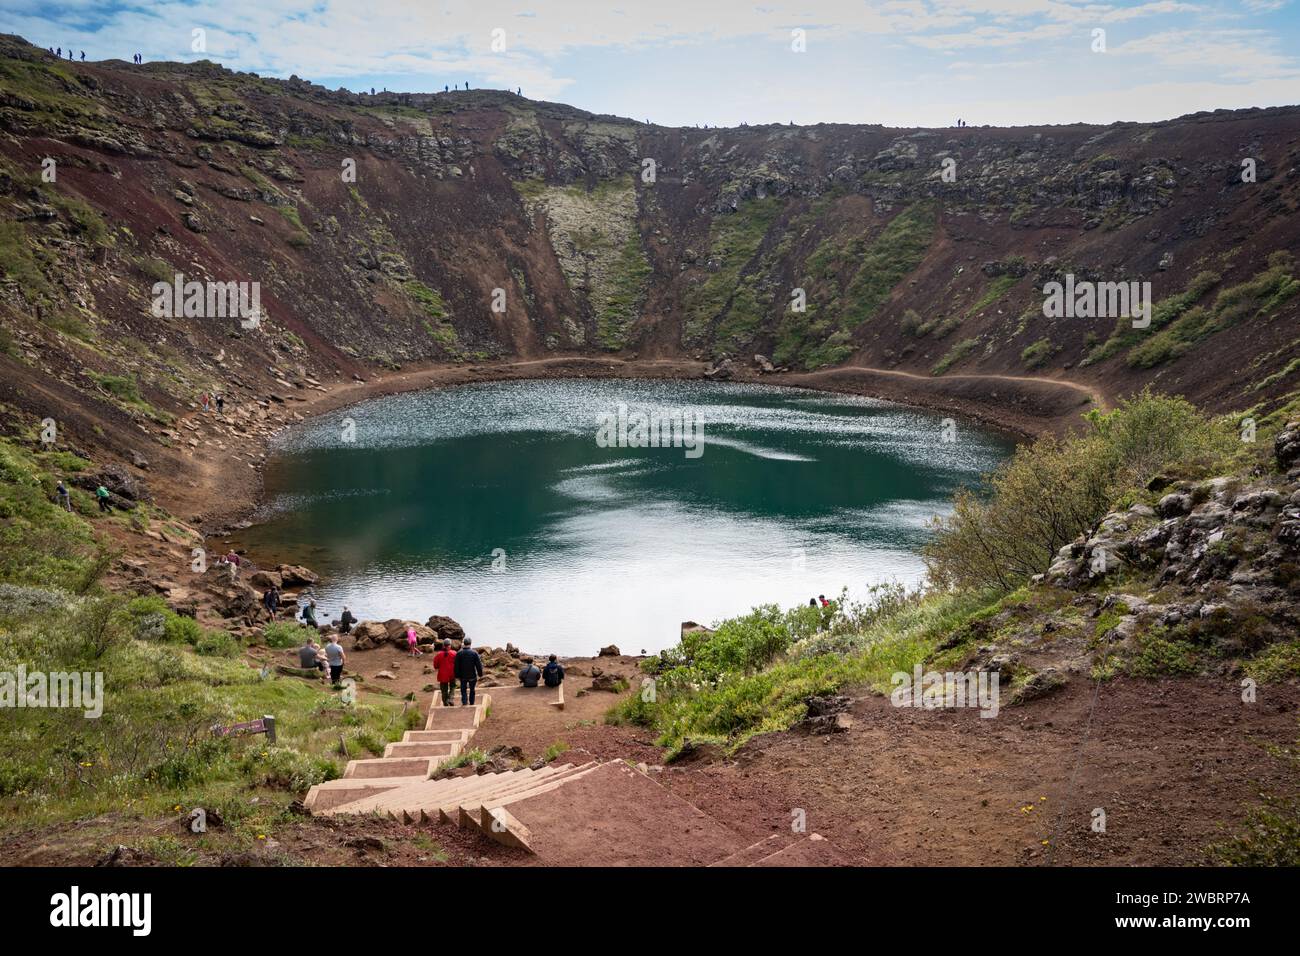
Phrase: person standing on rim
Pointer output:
(469, 668)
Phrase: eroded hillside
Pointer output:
(481, 226)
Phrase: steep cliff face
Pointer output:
(481, 225)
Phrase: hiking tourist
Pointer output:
(469, 668)
(272, 600)
(311, 657)
(335, 657)
(232, 562)
(221, 404)
(444, 662)
(530, 675)
(412, 641)
(309, 614)
(553, 673)
(65, 497)
(101, 495)
(346, 620)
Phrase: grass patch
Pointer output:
(954, 355)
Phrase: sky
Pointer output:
(726, 62)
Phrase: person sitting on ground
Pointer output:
(346, 620)
(553, 673)
(311, 657)
(101, 495)
(335, 657)
(469, 668)
(444, 662)
(530, 675)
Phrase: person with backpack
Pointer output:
(530, 675)
(444, 662)
(553, 673)
(469, 668)
(309, 614)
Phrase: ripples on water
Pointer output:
(796, 494)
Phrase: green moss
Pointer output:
(996, 290)
(625, 296)
(849, 281)
(1256, 298)
(734, 241)
(427, 299)
(954, 355)
(1036, 355)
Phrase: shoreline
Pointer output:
(1021, 408)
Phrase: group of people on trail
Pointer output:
(463, 665)
(59, 53)
(328, 659)
(209, 400)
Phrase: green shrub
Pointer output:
(1037, 354)
(281, 634)
(216, 643)
(1052, 490)
(955, 355)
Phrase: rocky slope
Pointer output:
(481, 225)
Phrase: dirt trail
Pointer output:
(1093, 393)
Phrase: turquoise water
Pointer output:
(497, 505)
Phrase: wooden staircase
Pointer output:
(593, 813)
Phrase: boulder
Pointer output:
(266, 579)
(610, 651)
(295, 575)
(1286, 447)
(445, 629)
(368, 635)
(395, 632)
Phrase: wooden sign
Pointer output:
(263, 725)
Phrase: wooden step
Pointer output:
(436, 736)
(488, 817)
(455, 718)
(333, 793)
(443, 749)
(391, 767)
(421, 793)
(468, 812)
(448, 811)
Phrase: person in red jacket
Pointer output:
(444, 662)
